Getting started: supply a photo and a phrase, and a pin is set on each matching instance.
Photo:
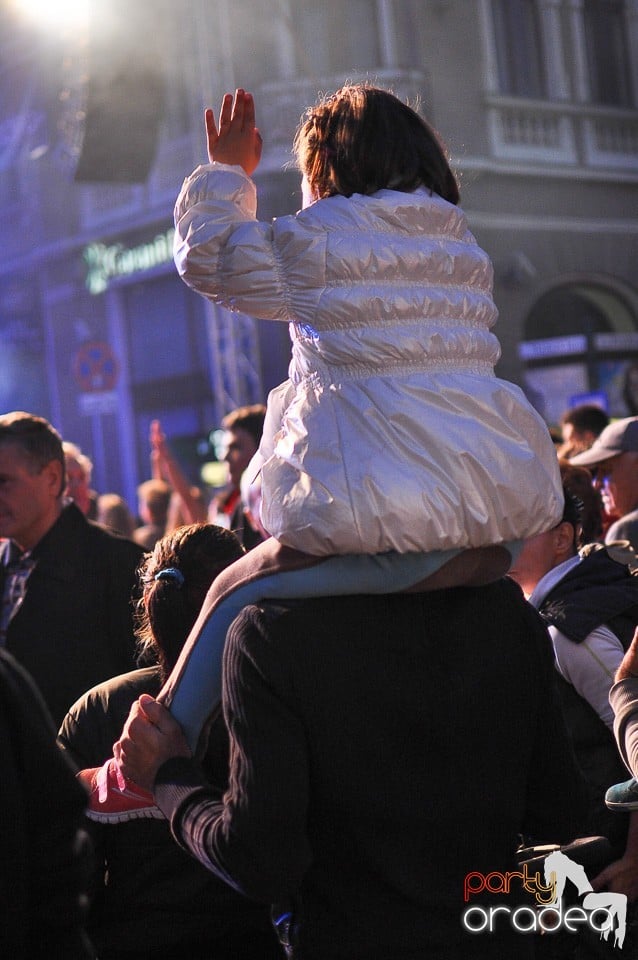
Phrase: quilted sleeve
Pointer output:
(221, 250)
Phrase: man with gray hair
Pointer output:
(613, 459)
(65, 583)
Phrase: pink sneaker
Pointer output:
(113, 798)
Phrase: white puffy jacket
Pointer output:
(395, 432)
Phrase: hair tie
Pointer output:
(172, 574)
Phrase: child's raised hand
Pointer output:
(237, 140)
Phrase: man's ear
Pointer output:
(564, 540)
(53, 474)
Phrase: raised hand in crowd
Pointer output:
(236, 140)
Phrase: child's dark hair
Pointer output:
(175, 579)
(363, 139)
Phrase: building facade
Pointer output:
(537, 101)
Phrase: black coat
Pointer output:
(382, 748)
(152, 901)
(598, 591)
(75, 625)
(44, 867)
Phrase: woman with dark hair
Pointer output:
(579, 483)
(151, 899)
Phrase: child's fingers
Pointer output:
(238, 108)
(235, 139)
(209, 118)
(249, 110)
(225, 113)
(211, 129)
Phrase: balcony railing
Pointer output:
(563, 133)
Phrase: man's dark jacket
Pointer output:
(44, 867)
(598, 591)
(382, 748)
(153, 901)
(75, 625)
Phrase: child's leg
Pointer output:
(193, 690)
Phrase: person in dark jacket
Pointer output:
(383, 748)
(65, 583)
(589, 601)
(152, 901)
(45, 860)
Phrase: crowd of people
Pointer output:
(295, 717)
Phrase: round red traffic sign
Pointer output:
(95, 367)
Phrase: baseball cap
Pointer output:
(621, 436)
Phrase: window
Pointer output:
(607, 55)
(519, 48)
(335, 38)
